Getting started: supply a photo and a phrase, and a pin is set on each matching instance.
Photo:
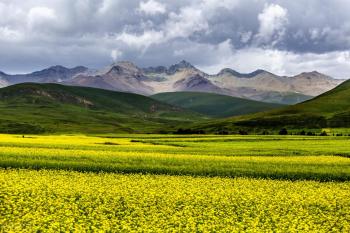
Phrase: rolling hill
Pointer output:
(214, 105)
(40, 108)
(329, 110)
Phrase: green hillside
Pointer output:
(47, 108)
(287, 98)
(329, 110)
(214, 105)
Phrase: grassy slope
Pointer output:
(331, 109)
(214, 105)
(37, 108)
(287, 98)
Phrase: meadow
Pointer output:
(174, 183)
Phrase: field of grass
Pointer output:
(174, 183)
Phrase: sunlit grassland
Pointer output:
(275, 157)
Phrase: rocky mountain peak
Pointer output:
(313, 75)
(122, 67)
(230, 72)
(50, 70)
(179, 66)
(57, 68)
(184, 64)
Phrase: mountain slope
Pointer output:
(122, 76)
(214, 105)
(196, 83)
(33, 108)
(331, 109)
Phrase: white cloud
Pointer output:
(152, 7)
(272, 21)
(116, 54)
(213, 4)
(185, 23)
(107, 5)
(178, 25)
(279, 62)
(281, 36)
(142, 41)
(11, 14)
(39, 17)
(10, 35)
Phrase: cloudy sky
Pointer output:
(284, 37)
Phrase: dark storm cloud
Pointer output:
(286, 37)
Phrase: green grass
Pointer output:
(214, 105)
(53, 108)
(329, 110)
(292, 158)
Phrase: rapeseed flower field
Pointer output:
(61, 201)
(167, 183)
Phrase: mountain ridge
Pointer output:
(125, 76)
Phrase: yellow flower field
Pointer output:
(53, 201)
(168, 183)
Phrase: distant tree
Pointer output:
(189, 131)
(310, 134)
(324, 133)
(242, 132)
(302, 132)
(223, 132)
(201, 131)
(283, 131)
(265, 132)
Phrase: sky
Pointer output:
(281, 36)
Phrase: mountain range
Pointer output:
(124, 76)
(55, 108)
